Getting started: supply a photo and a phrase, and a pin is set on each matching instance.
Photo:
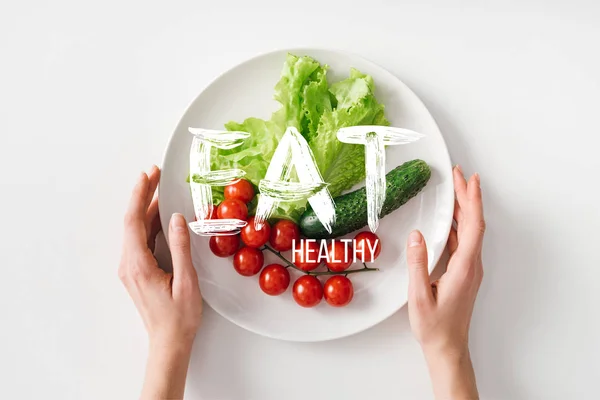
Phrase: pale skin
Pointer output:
(440, 312)
(170, 304)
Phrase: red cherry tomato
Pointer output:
(339, 256)
(241, 190)
(367, 246)
(253, 237)
(307, 291)
(274, 279)
(306, 255)
(232, 208)
(338, 291)
(224, 246)
(248, 261)
(283, 234)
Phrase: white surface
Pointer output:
(377, 295)
(91, 92)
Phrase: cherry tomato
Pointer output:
(248, 261)
(241, 190)
(339, 256)
(306, 254)
(367, 246)
(283, 234)
(274, 279)
(338, 291)
(307, 291)
(253, 237)
(232, 208)
(224, 246)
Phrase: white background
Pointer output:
(91, 91)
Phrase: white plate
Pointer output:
(247, 91)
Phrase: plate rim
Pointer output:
(307, 50)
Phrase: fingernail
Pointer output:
(459, 168)
(178, 222)
(415, 239)
(477, 179)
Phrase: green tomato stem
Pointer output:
(328, 272)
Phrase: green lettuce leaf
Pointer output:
(303, 93)
(254, 155)
(317, 110)
(297, 74)
(342, 165)
(316, 100)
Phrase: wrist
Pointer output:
(448, 353)
(168, 344)
(166, 367)
(451, 372)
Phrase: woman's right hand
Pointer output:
(440, 312)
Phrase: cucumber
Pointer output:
(402, 183)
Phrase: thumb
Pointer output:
(179, 244)
(419, 288)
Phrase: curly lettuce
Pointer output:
(342, 165)
(317, 110)
(299, 91)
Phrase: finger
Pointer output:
(151, 215)
(419, 288)
(184, 274)
(452, 241)
(474, 196)
(153, 224)
(135, 217)
(474, 226)
(460, 186)
(458, 214)
(153, 178)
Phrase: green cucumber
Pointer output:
(402, 183)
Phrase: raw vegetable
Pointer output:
(284, 234)
(232, 208)
(248, 261)
(274, 279)
(224, 246)
(307, 291)
(241, 190)
(253, 237)
(305, 255)
(338, 291)
(339, 256)
(317, 110)
(367, 246)
(342, 165)
(403, 183)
